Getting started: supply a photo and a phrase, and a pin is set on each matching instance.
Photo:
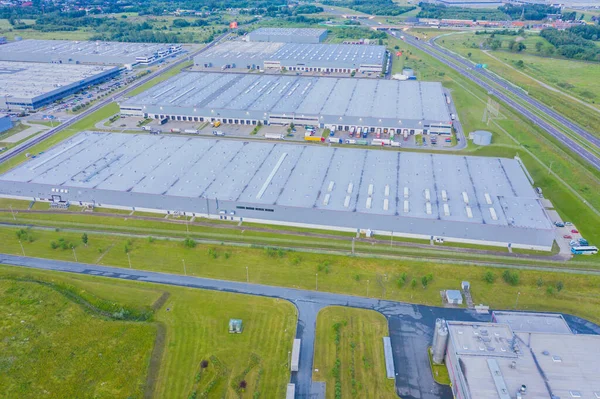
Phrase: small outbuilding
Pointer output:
(235, 326)
(454, 297)
(465, 285)
(481, 137)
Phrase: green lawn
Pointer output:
(349, 353)
(337, 273)
(13, 130)
(67, 349)
(579, 79)
(438, 371)
(54, 347)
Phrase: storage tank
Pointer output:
(440, 339)
(481, 137)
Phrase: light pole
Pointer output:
(184, 269)
(316, 281)
(22, 249)
(517, 301)
(247, 276)
(74, 254)
(129, 259)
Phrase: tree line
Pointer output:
(572, 42)
(373, 7)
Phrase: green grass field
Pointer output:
(576, 78)
(389, 279)
(438, 371)
(349, 353)
(62, 342)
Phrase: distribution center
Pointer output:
(288, 35)
(407, 107)
(332, 58)
(31, 85)
(478, 200)
(524, 359)
(87, 52)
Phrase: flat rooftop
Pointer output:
(549, 364)
(48, 50)
(306, 32)
(41, 78)
(309, 53)
(533, 322)
(364, 102)
(319, 181)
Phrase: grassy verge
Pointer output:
(438, 371)
(349, 353)
(382, 278)
(19, 127)
(70, 351)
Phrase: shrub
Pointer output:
(550, 290)
(413, 283)
(189, 243)
(424, 281)
(559, 286)
(511, 278)
(489, 277)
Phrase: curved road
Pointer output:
(411, 326)
(466, 69)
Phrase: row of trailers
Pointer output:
(358, 131)
(294, 366)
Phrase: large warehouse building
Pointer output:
(87, 52)
(332, 58)
(288, 35)
(539, 361)
(31, 85)
(463, 199)
(401, 106)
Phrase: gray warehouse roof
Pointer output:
(287, 34)
(338, 187)
(82, 51)
(496, 362)
(533, 322)
(362, 102)
(42, 78)
(309, 54)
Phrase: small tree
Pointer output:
(413, 283)
(489, 277)
(511, 278)
(84, 239)
(540, 282)
(550, 290)
(204, 364)
(243, 385)
(559, 286)
(424, 281)
(189, 243)
(469, 55)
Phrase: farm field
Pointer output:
(185, 327)
(389, 279)
(349, 353)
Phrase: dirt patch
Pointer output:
(155, 359)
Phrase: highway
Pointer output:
(466, 69)
(13, 152)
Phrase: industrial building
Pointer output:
(480, 200)
(329, 58)
(503, 360)
(288, 35)
(87, 52)
(31, 85)
(5, 123)
(407, 107)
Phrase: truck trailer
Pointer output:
(295, 360)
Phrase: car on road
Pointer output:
(574, 243)
(568, 224)
(559, 224)
(567, 237)
(575, 231)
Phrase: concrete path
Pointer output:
(411, 326)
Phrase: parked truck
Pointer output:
(274, 136)
(175, 130)
(295, 361)
(191, 131)
(334, 140)
(314, 138)
(218, 133)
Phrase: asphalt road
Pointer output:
(35, 140)
(466, 69)
(411, 326)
